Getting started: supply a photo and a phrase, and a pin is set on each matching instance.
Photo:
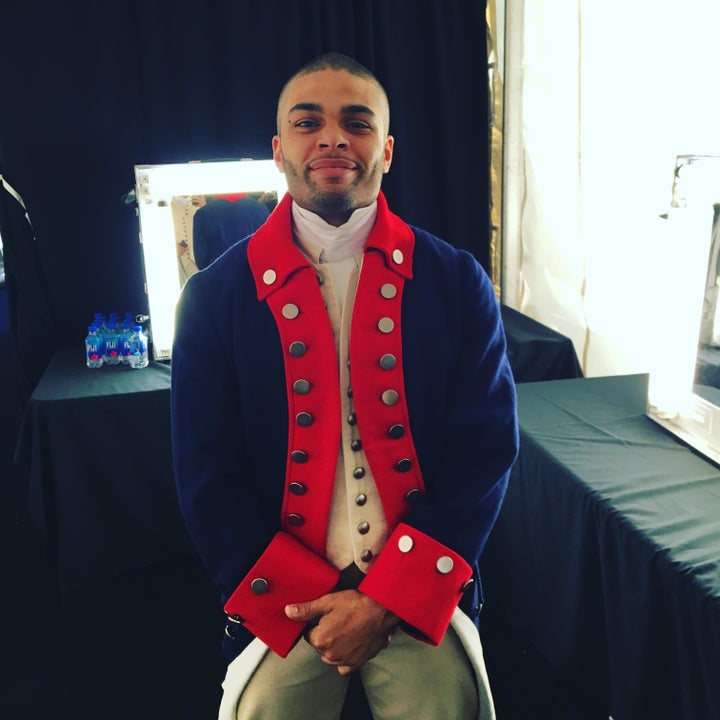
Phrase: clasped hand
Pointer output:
(346, 629)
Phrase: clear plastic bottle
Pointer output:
(124, 342)
(138, 357)
(112, 345)
(94, 351)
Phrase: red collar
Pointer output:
(273, 255)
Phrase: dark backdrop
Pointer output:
(89, 89)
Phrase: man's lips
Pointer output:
(332, 164)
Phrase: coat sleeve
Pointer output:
(228, 506)
(465, 431)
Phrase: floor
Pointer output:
(146, 645)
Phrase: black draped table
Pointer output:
(537, 352)
(95, 445)
(606, 554)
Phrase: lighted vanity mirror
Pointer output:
(189, 213)
(684, 390)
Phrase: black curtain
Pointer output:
(90, 89)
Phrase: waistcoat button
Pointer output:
(363, 528)
(358, 473)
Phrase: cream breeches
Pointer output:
(408, 680)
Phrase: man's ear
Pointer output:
(388, 152)
(277, 154)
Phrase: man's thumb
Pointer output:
(303, 612)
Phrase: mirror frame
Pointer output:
(155, 186)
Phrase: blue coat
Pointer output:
(230, 409)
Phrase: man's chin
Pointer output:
(330, 201)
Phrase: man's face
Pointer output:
(333, 144)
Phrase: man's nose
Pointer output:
(333, 137)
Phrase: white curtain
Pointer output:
(600, 98)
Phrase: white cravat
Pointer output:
(340, 247)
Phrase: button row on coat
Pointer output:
(444, 564)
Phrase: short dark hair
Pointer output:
(335, 61)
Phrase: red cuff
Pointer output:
(419, 579)
(287, 572)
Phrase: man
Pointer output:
(343, 427)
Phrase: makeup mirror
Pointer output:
(684, 390)
(189, 213)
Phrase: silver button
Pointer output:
(363, 528)
(445, 564)
(269, 277)
(398, 257)
(405, 544)
(304, 419)
(388, 291)
(301, 387)
(361, 499)
(298, 348)
(259, 586)
(390, 397)
(386, 325)
(403, 465)
(366, 555)
(388, 361)
(290, 311)
(413, 496)
(297, 488)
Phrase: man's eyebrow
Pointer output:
(306, 106)
(345, 109)
(357, 109)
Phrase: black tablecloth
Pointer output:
(95, 445)
(606, 554)
(537, 352)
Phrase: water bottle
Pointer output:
(112, 349)
(124, 342)
(138, 357)
(94, 350)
